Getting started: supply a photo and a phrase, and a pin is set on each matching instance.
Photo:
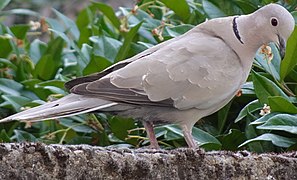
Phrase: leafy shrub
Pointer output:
(33, 71)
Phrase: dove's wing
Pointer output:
(96, 76)
(199, 70)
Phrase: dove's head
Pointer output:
(275, 24)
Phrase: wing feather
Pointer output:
(103, 89)
(199, 70)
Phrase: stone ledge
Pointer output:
(40, 161)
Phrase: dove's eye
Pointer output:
(274, 21)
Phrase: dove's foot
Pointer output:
(151, 134)
(188, 136)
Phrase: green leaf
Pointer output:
(290, 59)
(263, 119)
(265, 88)
(11, 87)
(222, 117)
(293, 75)
(148, 25)
(22, 136)
(4, 138)
(294, 14)
(273, 66)
(25, 68)
(246, 6)
(55, 25)
(281, 104)
(84, 22)
(6, 63)
(232, 140)
(250, 132)
(55, 83)
(228, 7)
(281, 122)
(275, 139)
(48, 65)
(5, 46)
(106, 47)
(120, 127)
(15, 101)
(96, 64)
(123, 51)
(32, 85)
(108, 12)
(3, 4)
(55, 90)
(177, 30)
(249, 108)
(20, 12)
(37, 49)
(20, 31)
(13, 43)
(61, 34)
(72, 44)
(87, 52)
(212, 10)
(169, 133)
(84, 18)
(70, 25)
(180, 7)
(77, 127)
(203, 138)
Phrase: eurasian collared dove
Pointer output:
(178, 81)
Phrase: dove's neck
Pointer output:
(248, 38)
(251, 39)
(239, 33)
(252, 36)
(233, 33)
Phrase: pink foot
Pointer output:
(151, 134)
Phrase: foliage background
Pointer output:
(35, 61)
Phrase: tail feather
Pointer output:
(69, 105)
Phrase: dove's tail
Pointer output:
(69, 105)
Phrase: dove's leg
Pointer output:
(188, 136)
(151, 134)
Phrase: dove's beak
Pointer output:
(281, 46)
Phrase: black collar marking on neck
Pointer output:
(235, 30)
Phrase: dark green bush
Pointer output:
(33, 71)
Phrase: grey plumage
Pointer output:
(178, 81)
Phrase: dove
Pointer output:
(178, 81)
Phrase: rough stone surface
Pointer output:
(40, 161)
